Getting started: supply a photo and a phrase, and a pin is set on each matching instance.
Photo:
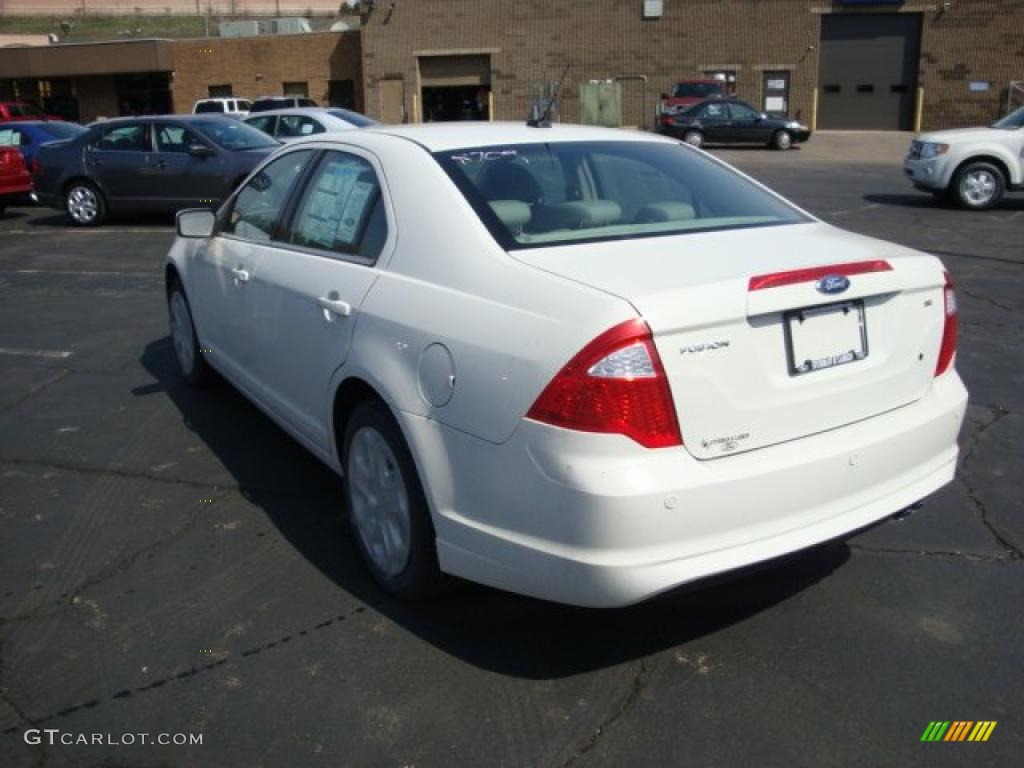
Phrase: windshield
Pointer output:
(358, 120)
(696, 90)
(231, 134)
(1011, 121)
(530, 195)
(63, 130)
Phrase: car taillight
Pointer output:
(667, 119)
(616, 384)
(949, 328)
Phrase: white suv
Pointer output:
(229, 107)
(973, 166)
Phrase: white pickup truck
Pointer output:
(972, 166)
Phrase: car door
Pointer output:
(310, 289)
(186, 179)
(747, 124)
(224, 267)
(713, 119)
(118, 160)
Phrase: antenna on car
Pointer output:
(544, 121)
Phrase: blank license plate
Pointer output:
(824, 337)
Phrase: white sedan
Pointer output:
(287, 125)
(582, 364)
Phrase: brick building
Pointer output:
(86, 81)
(841, 63)
(879, 64)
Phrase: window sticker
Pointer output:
(336, 206)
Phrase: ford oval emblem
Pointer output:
(833, 284)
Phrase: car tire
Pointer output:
(782, 140)
(978, 186)
(84, 204)
(191, 363)
(694, 138)
(387, 508)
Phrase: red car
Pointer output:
(686, 93)
(15, 181)
(19, 110)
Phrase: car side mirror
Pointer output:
(200, 150)
(195, 222)
(763, 116)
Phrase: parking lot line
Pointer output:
(78, 272)
(54, 353)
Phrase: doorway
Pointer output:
(455, 87)
(868, 70)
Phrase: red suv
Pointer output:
(686, 93)
(15, 181)
(19, 110)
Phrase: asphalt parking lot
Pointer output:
(173, 563)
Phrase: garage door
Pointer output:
(868, 75)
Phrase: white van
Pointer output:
(227, 106)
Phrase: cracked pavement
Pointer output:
(175, 563)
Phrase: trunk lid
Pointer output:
(755, 362)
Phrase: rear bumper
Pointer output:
(595, 520)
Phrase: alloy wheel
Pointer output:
(83, 205)
(379, 501)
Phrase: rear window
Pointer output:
(531, 195)
(696, 90)
(63, 130)
(232, 134)
(244, 105)
(204, 107)
(358, 120)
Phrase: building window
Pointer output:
(296, 88)
(220, 91)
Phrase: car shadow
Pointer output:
(751, 148)
(493, 630)
(925, 200)
(60, 220)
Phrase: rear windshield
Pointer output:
(696, 90)
(232, 134)
(531, 195)
(358, 120)
(63, 130)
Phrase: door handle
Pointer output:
(241, 275)
(331, 303)
(95, 163)
(161, 163)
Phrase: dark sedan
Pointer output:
(140, 164)
(715, 121)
